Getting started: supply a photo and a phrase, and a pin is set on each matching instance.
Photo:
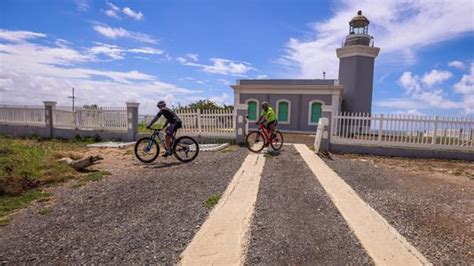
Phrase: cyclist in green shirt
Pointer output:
(269, 117)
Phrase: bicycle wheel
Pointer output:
(277, 141)
(255, 141)
(185, 149)
(146, 150)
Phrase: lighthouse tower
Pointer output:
(356, 66)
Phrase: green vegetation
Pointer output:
(9, 204)
(45, 210)
(91, 177)
(30, 163)
(211, 201)
(204, 105)
(27, 164)
(4, 221)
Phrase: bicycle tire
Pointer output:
(154, 143)
(251, 146)
(279, 136)
(179, 141)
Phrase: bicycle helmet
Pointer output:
(161, 104)
(264, 105)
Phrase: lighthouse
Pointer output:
(356, 66)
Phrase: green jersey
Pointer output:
(269, 114)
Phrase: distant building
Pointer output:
(299, 103)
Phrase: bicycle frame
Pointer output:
(266, 132)
(158, 134)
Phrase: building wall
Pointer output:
(356, 74)
(299, 108)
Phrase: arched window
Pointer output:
(283, 111)
(315, 112)
(252, 110)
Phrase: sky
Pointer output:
(114, 51)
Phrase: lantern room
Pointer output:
(359, 24)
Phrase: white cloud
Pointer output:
(111, 51)
(113, 7)
(410, 83)
(31, 73)
(181, 59)
(198, 81)
(466, 84)
(19, 36)
(399, 28)
(133, 14)
(419, 93)
(147, 50)
(114, 12)
(111, 13)
(223, 81)
(82, 5)
(436, 77)
(115, 52)
(409, 112)
(457, 64)
(221, 66)
(115, 33)
(194, 57)
(262, 77)
(222, 99)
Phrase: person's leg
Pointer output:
(169, 138)
(272, 129)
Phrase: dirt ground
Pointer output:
(307, 139)
(295, 222)
(140, 214)
(430, 202)
(449, 170)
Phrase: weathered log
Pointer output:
(83, 163)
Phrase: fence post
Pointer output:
(132, 120)
(435, 129)
(49, 107)
(240, 113)
(199, 121)
(380, 129)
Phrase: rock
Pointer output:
(83, 163)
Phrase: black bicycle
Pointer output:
(184, 148)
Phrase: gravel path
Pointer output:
(140, 214)
(295, 222)
(434, 212)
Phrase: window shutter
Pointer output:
(283, 111)
(315, 112)
(252, 110)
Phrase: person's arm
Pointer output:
(157, 116)
(165, 125)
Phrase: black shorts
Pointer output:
(173, 128)
(274, 122)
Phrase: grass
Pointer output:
(142, 128)
(45, 210)
(91, 177)
(28, 164)
(211, 201)
(8, 204)
(4, 221)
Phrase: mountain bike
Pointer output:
(184, 148)
(261, 138)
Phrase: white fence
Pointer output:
(110, 118)
(451, 133)
(206, 123)
(22, 115)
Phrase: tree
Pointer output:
(204, 105)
